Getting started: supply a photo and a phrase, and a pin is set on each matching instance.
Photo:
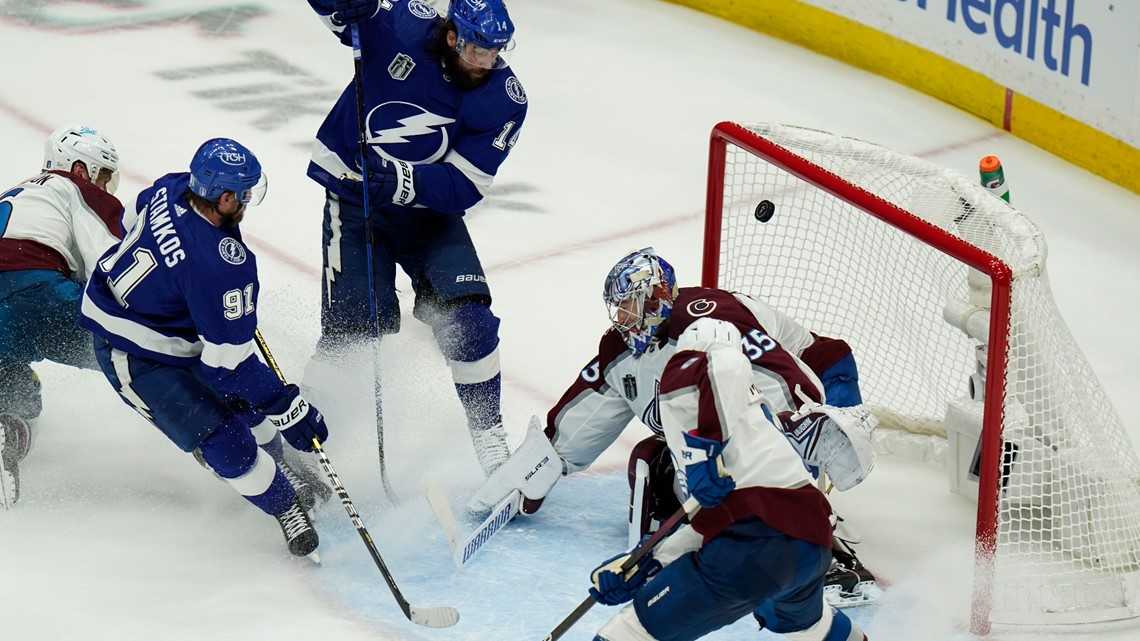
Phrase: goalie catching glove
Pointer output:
(838, 439)
(532, 469)
(612, 587)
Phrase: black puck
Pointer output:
(765, 210)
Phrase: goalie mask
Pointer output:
(78, 143)
(639, 295)
(222, 165)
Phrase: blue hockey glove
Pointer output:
(389, 181)
(612, 588)
(704, 466)
(298, 421)
(350, 11)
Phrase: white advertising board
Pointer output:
(1079, 57)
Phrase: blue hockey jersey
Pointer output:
(180, 291)
(455, 138)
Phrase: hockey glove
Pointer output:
(704, 477)
(389, 181)
(611, 587)
(838, 439)
(350, 11)
(298, 421)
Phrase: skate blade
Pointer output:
(864, 593)
(314, 557)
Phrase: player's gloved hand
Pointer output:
(350, 11)
(298, 421)
(389, 181)
(611, 587)
(705, 479)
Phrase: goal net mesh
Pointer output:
(1066, 538)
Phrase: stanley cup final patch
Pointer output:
(629, 382)
(401, 66)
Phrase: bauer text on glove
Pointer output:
(298, 421)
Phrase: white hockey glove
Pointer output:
(838, 439)
(533, 469)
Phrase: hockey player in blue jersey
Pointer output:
(174, 312)
(442, 111)
(760, 542)
(53, 227)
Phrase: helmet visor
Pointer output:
(254, 195)
(484, 57)
(107, 180)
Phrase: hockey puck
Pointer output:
(765, 210)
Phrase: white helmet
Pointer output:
(72, 143)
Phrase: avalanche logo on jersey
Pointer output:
(700, 307)
(231, 251)
(651, 417)
(403, 131)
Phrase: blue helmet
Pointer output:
(639, 294)
(222, 165)
(484, 24)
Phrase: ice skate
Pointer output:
(490, 446)
(305, 478)
(849, 582)
(299, 533)
(15, 439)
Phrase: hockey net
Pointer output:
(940, 288)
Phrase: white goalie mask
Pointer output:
(78, 143)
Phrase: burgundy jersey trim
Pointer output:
(801, 513)
(17, 254)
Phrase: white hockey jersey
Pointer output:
(616, 387)
(57, 221)
(708, 391)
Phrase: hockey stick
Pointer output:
(369, 242)
(439, 617)
(461, 552)
(689, 507)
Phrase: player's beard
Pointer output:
(232, 220)
(466, 79)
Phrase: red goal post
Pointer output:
(940, 288)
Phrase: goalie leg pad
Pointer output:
(659, 500)
(533, 469)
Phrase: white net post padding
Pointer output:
(897, 256)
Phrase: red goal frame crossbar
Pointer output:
(1000, 275)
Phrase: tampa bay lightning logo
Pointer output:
(515, 90)
(408, 132)
(421, 10)
(231, 251)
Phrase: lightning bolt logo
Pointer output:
(414, 129)
(417, 125)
